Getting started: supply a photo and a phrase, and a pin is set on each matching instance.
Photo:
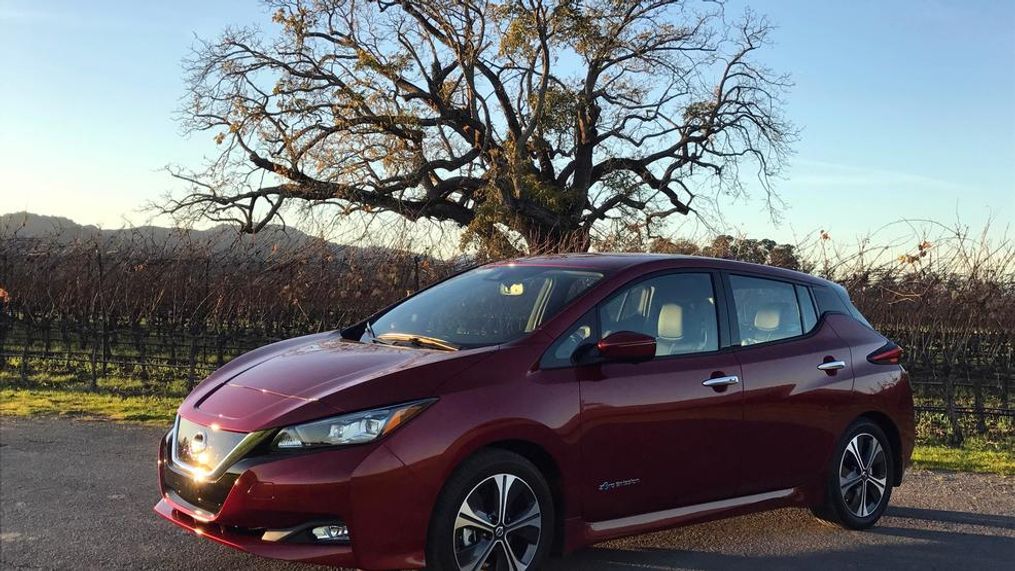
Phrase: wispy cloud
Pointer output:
(76, 17)
(10, 12)
(822, 173)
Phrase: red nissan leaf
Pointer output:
(537, 406)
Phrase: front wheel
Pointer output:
(860, 478)
(494, 514)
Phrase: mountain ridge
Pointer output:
(35, 228)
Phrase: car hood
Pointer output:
(317, 376)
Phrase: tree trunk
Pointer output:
(142, 351)
(96, 344)
(26, 350)
(542, 240)
(3, 336)
(956, 438)
(65, 340)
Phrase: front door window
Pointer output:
(677, 309)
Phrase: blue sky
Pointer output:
(907, 109)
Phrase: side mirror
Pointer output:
(627, 346)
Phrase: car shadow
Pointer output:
(965, 518)
(892, 546)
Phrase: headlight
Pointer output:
(354, 428)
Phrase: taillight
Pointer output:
(889, 354)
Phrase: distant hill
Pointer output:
(38, 229)
(28, 225)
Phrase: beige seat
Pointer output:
(670, 329)
(768, 318)
(770, 323)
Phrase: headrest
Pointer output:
(671, 321)
(768, 317)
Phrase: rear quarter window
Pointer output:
(829, 299)
(844, 296)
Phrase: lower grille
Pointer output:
(206, 495)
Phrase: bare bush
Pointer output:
(163, 312)
(950, 302)
(183, 306)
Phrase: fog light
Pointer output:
(331, 533)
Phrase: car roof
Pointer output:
(611, 262)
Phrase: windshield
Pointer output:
(485, 306)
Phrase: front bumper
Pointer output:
(366, 487)
(338, 555)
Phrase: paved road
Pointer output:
(78, 495)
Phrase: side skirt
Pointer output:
(595, 532)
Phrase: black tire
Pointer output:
(851, 488)
(475, 479)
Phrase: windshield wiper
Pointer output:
(369, 329)
(418, 340)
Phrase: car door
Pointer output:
(653, 436)
(795, 379)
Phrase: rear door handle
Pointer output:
(721, 381)
(832, 366)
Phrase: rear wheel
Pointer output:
(494, 514)
(860, 478)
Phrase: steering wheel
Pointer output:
(568, 347)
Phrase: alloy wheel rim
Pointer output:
(498, 526)
(863, 475)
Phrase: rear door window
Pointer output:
(807, 312)
(767, 310)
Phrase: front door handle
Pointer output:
(722, 381)
(832, 365)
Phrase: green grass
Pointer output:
(994, 452)
(87, 405)
(966, 459)
(117, 380)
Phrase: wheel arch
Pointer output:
(547, 464)
(550, 469)
(887, 425)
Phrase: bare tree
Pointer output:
(523, 122)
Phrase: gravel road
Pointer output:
(78, 495)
